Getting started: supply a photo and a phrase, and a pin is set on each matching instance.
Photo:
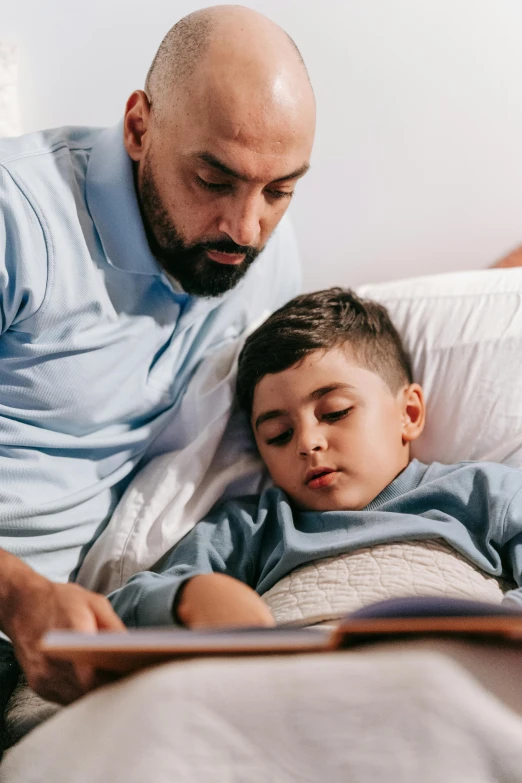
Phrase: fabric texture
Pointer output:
(24, 711)
(476, 508)
(97, 346)
(9, 677)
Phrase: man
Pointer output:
(127, 255)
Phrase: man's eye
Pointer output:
(280, 193)
(282, 439)
(212, 186)
(336, 415)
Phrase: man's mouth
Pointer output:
(225, 258)
(320, 477)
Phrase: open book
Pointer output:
(394, 618)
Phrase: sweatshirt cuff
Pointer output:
(513, 598)
(148, 599)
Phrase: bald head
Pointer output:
(233, 39)
(219, 140)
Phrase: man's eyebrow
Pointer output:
(215, 163)
(315, 395)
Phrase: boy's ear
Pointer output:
(414, 412)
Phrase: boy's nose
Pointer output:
(310, 442)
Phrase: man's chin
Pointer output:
(204, 277)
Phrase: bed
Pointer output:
(433, 710)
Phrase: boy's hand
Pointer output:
(220, 601)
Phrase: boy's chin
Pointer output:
(331, 501)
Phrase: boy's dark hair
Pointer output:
(321, 321)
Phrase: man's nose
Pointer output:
(311, 440)
(242, 221)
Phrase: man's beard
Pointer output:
(189, 265)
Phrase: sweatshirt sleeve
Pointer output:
(513, 548)
(224, 543)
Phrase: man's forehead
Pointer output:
(266, 127)
(251, 168)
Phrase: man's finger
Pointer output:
(86, 677)
(106, 617)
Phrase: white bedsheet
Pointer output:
(436, 712)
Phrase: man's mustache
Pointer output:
(229, 246)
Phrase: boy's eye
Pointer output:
(282, 439)
(336, 415)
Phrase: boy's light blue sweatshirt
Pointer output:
(476, 507)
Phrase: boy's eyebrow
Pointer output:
(318, 393)
(267, 416)
(315, 395)
(215, 163)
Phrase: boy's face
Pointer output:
(331, 432)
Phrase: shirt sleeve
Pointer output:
(225, 543)
(23, 255)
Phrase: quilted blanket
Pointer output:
(327, 589)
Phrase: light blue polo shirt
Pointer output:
(96, 346)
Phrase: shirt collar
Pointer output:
(113, 205)
(112, 202)
(406, 481)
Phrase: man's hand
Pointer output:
(219, 601)
(31, 605)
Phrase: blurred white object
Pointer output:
(435, 711)
(9, 112)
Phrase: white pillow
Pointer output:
(9, 115)
(463, 332)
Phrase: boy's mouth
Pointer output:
(320, 477)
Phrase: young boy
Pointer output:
(329, 392)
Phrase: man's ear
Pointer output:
(136, 124)
(414, 412)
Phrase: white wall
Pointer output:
(418, 161)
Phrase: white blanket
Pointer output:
(436, 712)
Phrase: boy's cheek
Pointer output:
(281, 473)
